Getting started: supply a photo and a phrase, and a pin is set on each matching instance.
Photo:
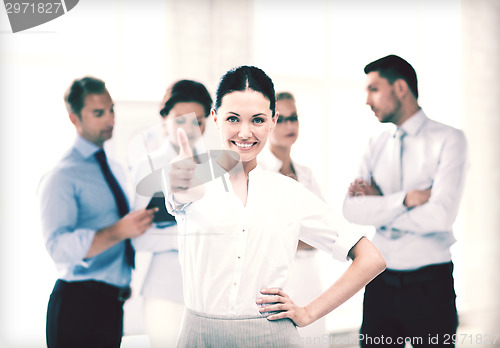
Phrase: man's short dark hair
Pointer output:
(393, 68)
(74, 97)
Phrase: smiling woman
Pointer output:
(235, 247)
(242, 130)
(244, 112)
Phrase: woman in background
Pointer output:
(305, 281)
(186, 104)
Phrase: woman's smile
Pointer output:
(244, 145)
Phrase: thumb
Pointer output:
(185, 150)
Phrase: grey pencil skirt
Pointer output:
(205, 330)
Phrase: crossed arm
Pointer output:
(433, 209)
(363, 188)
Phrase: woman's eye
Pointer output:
(232, 119)
(258, 120)
(180, 120)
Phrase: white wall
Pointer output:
(481, 207)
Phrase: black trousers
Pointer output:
(418, 306)
(84, 314)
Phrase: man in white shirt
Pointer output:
(409, 187)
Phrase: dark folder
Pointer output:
(162, 215)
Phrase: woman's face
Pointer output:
(287, 128)
(188, 115)
(244, 120)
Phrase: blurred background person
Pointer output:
(186, 104)
(409, 187)
(305, 281)
(87, 228)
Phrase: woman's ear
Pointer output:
(274, 119)
(213, 114)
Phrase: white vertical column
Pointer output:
(481, 203)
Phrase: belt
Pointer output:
(400, 279)
(120, 294)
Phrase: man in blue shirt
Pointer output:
(87, 228)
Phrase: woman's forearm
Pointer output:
(367, 263)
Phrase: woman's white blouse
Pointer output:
(228, 251)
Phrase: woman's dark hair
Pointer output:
(74, 98)
(185, 91)
(392, 68)
(285, 96)
(243, 78)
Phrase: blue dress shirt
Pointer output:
(76, 202)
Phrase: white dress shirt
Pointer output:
(229, 251)
(434, 156)
(305, 280)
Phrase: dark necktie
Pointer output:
(121, 201)
(397, 165)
